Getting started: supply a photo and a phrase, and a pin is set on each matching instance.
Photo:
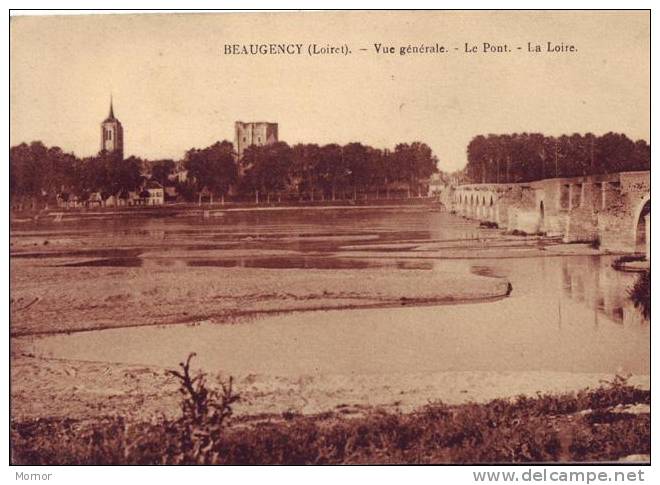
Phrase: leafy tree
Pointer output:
(38, 173)
(415, 162)
(109, 174)
(615, 150)
(305, 174)
(356, 159)
(376, 169)
(268, 169)
(332, 169)
(212, 168)
(162, 169)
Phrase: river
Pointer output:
(566, 313)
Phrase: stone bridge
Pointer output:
(613, 209)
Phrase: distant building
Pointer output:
(436, 185)
(95, 200)
(112, 134)
(155, 194)
(257, 133)
(180, 176)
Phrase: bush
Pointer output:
(204, 415)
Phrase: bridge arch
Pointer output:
(640, 228)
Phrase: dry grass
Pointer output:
(578, 426)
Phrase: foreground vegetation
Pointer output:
(585, 426)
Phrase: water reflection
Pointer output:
(592, 281)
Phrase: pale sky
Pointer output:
(174, 88)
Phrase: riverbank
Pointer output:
(140, 393)
(609, 423)
(62, 214)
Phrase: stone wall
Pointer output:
(521, 209)
(618, 220)
(582, 217)
(605, 208)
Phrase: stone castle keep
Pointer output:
(613, 209)
(112, 134)
(257, 133)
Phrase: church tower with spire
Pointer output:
(112, 134)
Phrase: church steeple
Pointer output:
(111, 114)
(112, 133)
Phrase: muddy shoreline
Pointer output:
(140, 393)
(60, 299)
(231, 317)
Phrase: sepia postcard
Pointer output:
(331, 237)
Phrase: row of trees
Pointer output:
(310, 171)
(533, 156)
(306, 171)
(333, 171)
(38, 172)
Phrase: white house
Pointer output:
(156, 193)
